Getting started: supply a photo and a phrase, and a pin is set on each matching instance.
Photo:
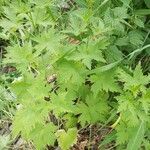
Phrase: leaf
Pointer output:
(61, 104)
(142, 12)
(39, 87)
(71, 120)
(30, 87)
(88, 53)
(145, 100)
(40, 17)
(123, 133)
(137, 138)
(120, 12)
(135, 82)
(113, 19)
(93, 110)
(147, 2)
(70, 71)
(98, 26)
(101, 82)
(139, 22)
(123, 41)
(11, 22)
(105, 68)
(26, 118)
(113, 54)
(22, 57)
(67, 139)
(128, 107)
(48, 40)
(78, 23)
(135, 38)
(43, 135)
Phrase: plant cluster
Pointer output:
(79, 63)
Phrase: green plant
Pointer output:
(77, 65)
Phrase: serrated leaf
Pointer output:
(43, 135)
(135, 82)
(139, 22)
(92, 111)
(26, 118)
(113, 54)
(128, 107)
(135, 38)
(88, 53)
(67, 139)
(30, 87)
(145, 100)
(120, 12)
(70, 72)
(39, 17)
(137, 137)
(20, 56)
(123, 133)
(101, 82)
(48, 40)
(61, 104)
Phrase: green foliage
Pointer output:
(101, 82)
(133, 108)
(27, 118)
(67, 139)
(93, 110)
(136, 82)
(39, 138)
(137, 138)
(76, 63)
